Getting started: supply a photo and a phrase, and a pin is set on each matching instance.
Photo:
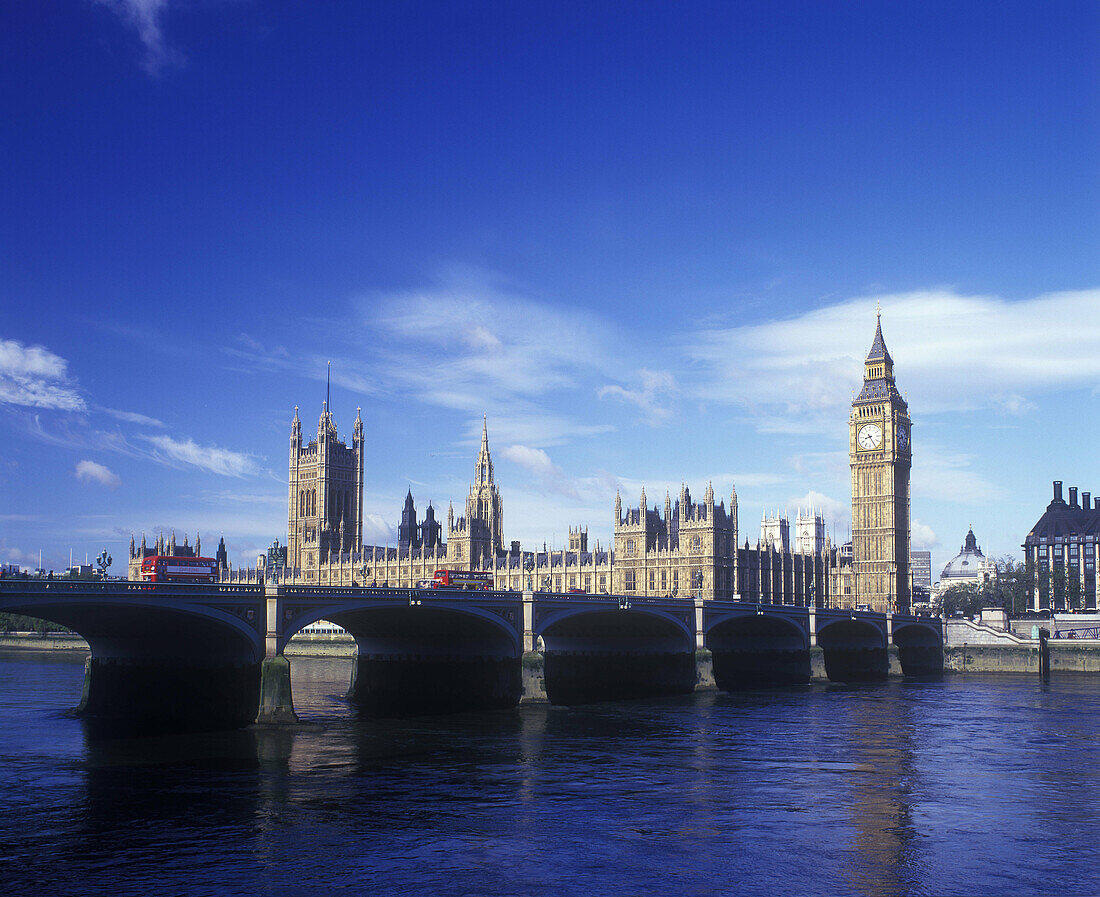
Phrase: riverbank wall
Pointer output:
(52, 641)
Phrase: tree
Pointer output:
(1058, 581)
(1012, 587)
(1074, 597)
(963, 599)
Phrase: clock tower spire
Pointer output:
(880, 453)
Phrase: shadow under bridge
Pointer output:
(751, 649)
(423, 654)
(920, 646)
(605, 654)
(163, 658)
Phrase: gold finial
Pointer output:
(878, 309)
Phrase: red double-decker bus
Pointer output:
(462, 579)
(158, 568)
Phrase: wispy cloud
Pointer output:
(206, 457)
(947, 475)
(548, 475)
(146, 17)
(952, 353)
(651, 396)
(12, 555)
(132, 417)
(91, 472)
(473, 337)
(34, 377)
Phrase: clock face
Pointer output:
(903, 437)
(869, 436)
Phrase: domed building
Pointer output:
(969, 565)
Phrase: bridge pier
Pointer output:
(276, 701)
(276, 705)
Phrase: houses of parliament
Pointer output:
(687, 547)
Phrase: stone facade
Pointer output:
(688, 548)
(325, 499)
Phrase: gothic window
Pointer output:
(697, 579)
(630, 547)
(628, 581)
(675, 580)
(696, 543)
(652, 575)
(664, 580)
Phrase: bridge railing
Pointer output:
(113, 587)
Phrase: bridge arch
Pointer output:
(920, 647)
(375, 623)
(854, 649)
(419, 655)
(607, 653)
(753, 649)
(160, 659)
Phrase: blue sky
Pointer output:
(646, 240)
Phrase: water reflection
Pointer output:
(883, 780)
(969, 785)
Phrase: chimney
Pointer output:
(1073, 496)
(1058, 490)
(1086, 500)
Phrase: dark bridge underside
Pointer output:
(854, 651)
(920, 651)
(418, 660)
(751, 651)
(613, 655)
(158, 669)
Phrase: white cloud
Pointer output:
(922, 536)
(549, 476)
(91, 472)
(470, 339)
(951, 353)
(35, 377)
(377, 532)
(132, 417)
(947, 475)
(836, 512)
(655, 389)
(12, 555)
(146, 17)
(216, 460)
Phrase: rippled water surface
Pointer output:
(972, 785)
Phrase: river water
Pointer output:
(969, 785)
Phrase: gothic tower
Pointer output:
(325, 501)
(880, 453)
(478, 537)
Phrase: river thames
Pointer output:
(969, 785)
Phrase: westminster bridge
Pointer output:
(179, 656)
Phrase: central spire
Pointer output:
(483, 473)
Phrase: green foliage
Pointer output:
(963, 598)
(20, 623)
(1012, 586)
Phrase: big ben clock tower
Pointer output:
(880, 451)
